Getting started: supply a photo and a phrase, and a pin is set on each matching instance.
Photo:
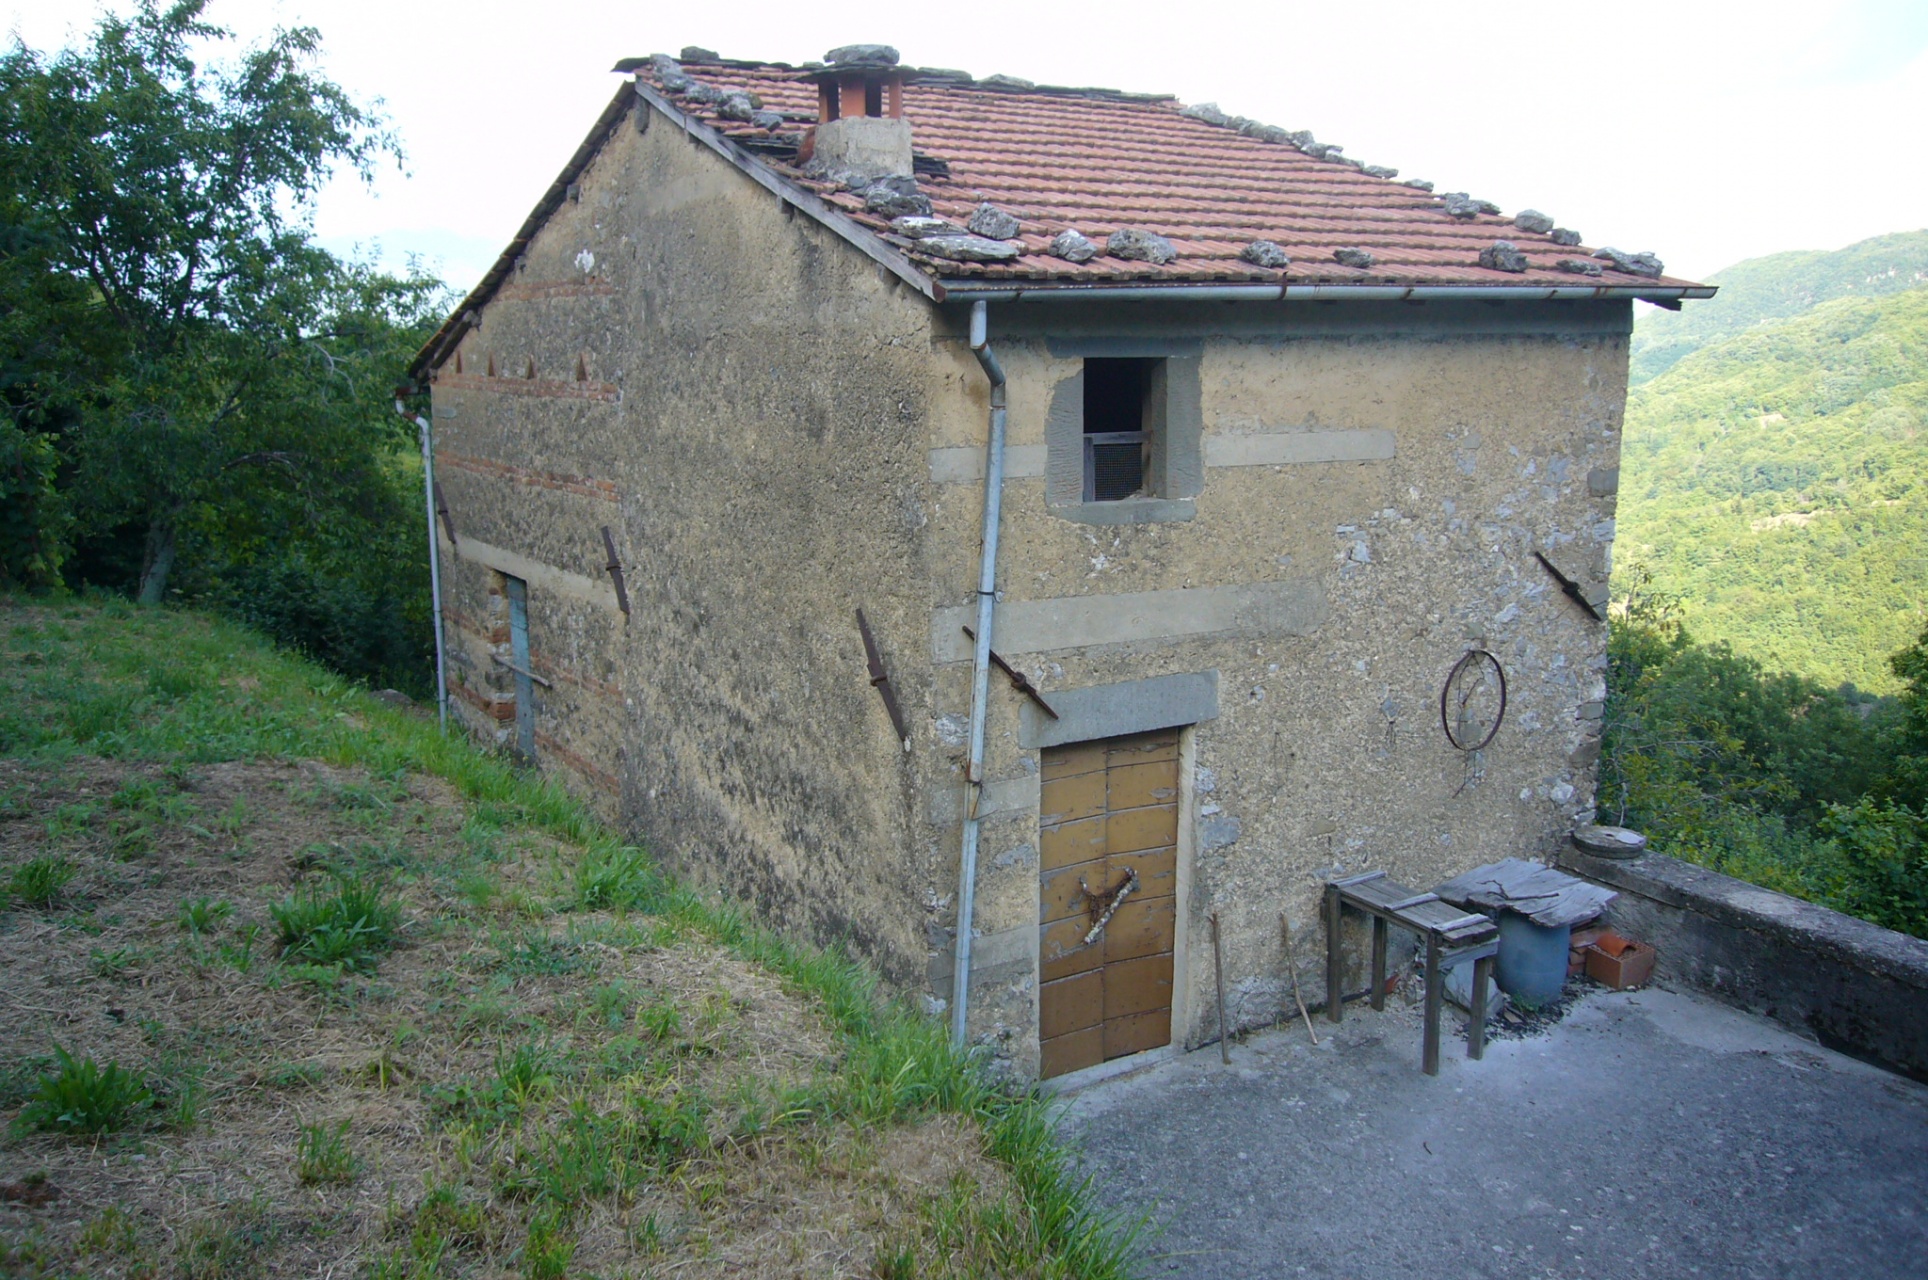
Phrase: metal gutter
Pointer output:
(980, 673)
(434, 563)
(965, 291)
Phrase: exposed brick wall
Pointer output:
(541, 388)
(585, 486)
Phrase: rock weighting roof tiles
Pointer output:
(1157, 194)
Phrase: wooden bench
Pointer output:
(1451, 935)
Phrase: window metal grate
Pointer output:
(1115, 465)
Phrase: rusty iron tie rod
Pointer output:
(1019, 681)
(615, 567)
(522, 671)
(880, 680)
(1571, 588)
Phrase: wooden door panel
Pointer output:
(1140, 929)
(1157, 871)
(1071, 1004)
(1074, 1052)
(1059, 896)
(1141, 828)
(1106, 810)
(1069, 799)
(1062, 951)
(1142, 749)
(1137, 986)
(1137, 1033)
(1071, 842)
(1079, 757)
(1133, 786)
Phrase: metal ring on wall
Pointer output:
(1470, 658)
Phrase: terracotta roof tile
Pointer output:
(1098, 161)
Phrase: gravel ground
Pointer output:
(1647, 1133)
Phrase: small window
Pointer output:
(1117, 441)
(873, 98)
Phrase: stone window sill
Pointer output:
(1128, 511)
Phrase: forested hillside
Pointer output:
(1777, 287)
(1776, 479)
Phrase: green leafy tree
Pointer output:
(248, 398)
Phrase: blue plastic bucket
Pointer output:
(1532, 964)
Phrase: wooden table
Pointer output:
(1451, 935)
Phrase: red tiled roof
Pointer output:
(1098, 161)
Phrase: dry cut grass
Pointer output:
(518, 1087)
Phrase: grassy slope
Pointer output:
(1778, 481)
(561, 1065)
(1777, 287)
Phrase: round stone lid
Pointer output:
(1610, 842)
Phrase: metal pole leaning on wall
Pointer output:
(980, 674)
(434, 564)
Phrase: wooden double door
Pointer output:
(1108, 818)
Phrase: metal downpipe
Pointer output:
(434, 565)
(980, 674)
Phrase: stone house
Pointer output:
(1279, 440)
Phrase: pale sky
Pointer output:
(1707, 131)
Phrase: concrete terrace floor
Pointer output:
(1649, 1134)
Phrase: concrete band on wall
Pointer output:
(1113, 710)
(1292, 607)
(1857, 987)
(544, 577)
(965, 464)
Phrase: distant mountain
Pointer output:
(1777, 477)
(1762, 290)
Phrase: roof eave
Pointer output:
(801, 198)
(1051, 291)
(438, 347)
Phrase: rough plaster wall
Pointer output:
(1327, 757)
(765, 438)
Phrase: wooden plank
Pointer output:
(1361, 878)
(1060, 897)
(1140, 928)
(1069, 799)
(1072, 759)
(1379, 932)
(1137, 986)
(1137, 1032)
(1071, 1004)
(1071, 842)
(1476, 1029)
(1435, 998)
(1157, 871)
(1142, 748)
(1136, 829)
(1071, 1053)
(1061, 949)
(1334, 992)
(1380, 894)
(1130, 786)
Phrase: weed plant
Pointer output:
(81, 1096)
(202, 916)
(349, 927)
(42, 882)
(322, 1155)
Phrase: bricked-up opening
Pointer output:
(874, 92)
(1117, 439)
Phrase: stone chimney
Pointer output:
(860, 112)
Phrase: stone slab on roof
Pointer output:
(1099, 161)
